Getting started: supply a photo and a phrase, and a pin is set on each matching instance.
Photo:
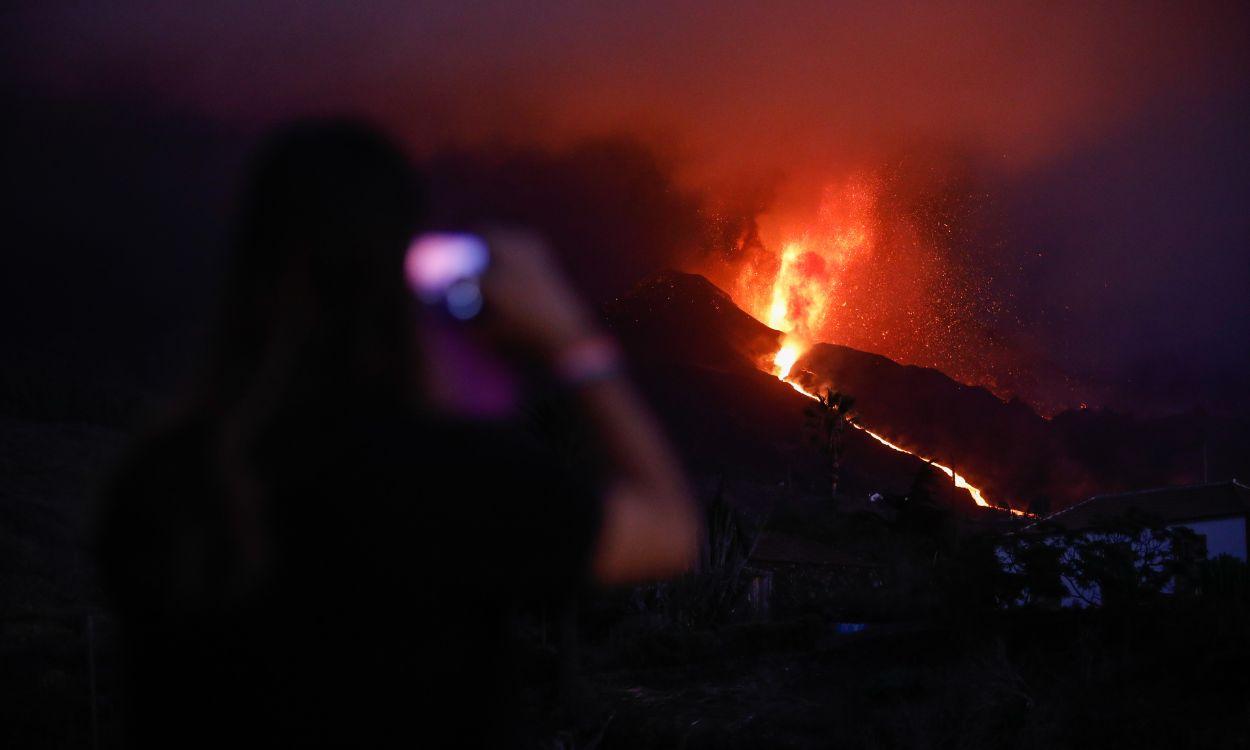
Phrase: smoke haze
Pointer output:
(1069, 178)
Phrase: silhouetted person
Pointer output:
(321, 548)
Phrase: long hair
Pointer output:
(315, 311)
(314, 293)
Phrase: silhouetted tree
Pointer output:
(1032, 572)
(923, 517)
(1125, 561)
(1224, 577)
(829, 419)
(1130, 559)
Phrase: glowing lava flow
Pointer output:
(784, 361)
(948, 471)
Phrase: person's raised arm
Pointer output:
(650, 527)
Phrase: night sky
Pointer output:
(1103, 147)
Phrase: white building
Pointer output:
(1219, 514)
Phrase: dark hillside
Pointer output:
(699, 357)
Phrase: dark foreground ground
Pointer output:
(1177, 677)
(1170, 677)
(1170, 674)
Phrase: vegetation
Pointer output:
(1126, 561)
(828, 420)
(963, 650)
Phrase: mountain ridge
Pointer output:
(1006, 448)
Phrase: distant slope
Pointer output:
(1006, 449)
(683, 317)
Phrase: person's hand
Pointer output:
(532, 305)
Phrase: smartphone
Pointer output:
(444, 270)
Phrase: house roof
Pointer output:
(1168, 504)
(777, 547)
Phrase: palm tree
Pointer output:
(829, 418)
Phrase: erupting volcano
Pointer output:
(814, 306)
(813, 270)
(894, 260)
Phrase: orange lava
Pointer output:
(791, 354)
(784, 360)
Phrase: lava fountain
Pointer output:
(784, 359)
(797, 295)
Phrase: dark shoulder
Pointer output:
(439, 437)
(163, 457)
(157, 489)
